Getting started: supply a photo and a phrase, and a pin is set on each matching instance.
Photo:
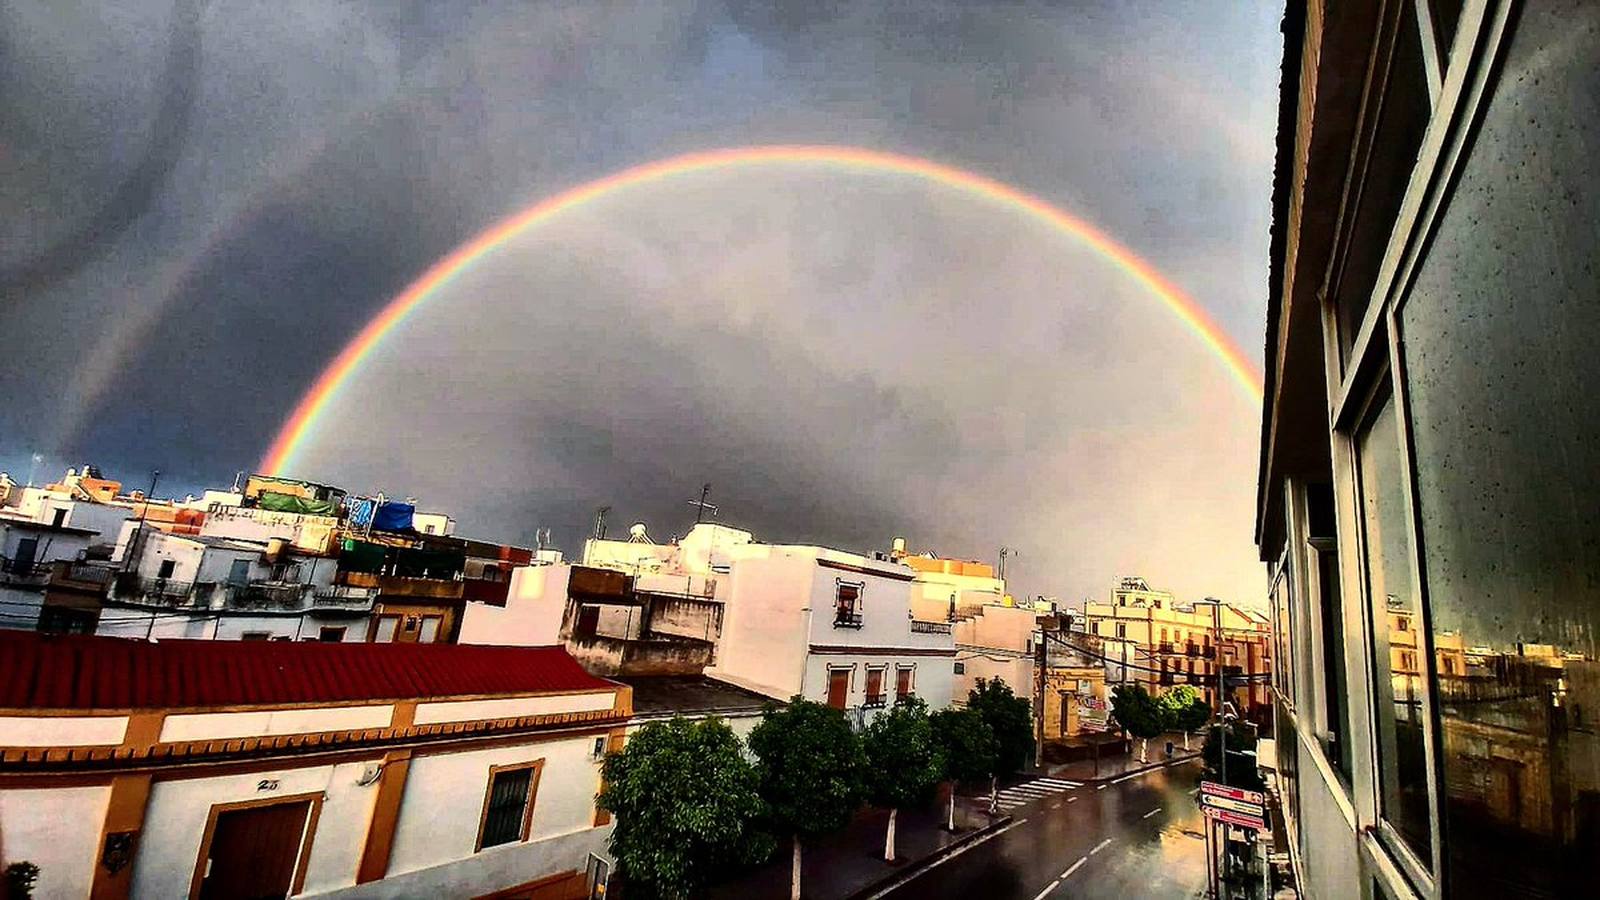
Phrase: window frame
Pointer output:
(854, 617)
(1459, 76)
(536, 768)
(881, 698)
(910, 671)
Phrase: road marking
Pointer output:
(1056, 805)
(1100, 846)
(1072, 799)
(1151, 813)
(1101, 788)
(1059, 781)
(964, 848)
(1051, 887)
(1075, 867)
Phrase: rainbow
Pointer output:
(311, 406)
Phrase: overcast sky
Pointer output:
(202, 203)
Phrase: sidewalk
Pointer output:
(849, 862)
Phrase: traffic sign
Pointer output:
(1218, 789)
(1232, 818)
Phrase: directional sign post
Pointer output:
(1234, 806)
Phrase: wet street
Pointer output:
(1137, 837)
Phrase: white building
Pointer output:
(197, 768)
(777, 619)
(195, 586)
(832, 627)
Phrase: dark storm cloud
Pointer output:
(327, 154)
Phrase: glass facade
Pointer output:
(1499, 336)
(1399, 714)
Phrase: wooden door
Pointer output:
(254, 851)
(838, 687)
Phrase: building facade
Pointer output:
(1146, 637)
(1426, 495)
(206, 769)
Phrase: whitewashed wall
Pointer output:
(58, 830)
(443, 803)
(175, 822)
(764, 625)
(62, 731)
(535, 602)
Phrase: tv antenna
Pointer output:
(600, 523)
(701, 506)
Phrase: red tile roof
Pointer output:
(81, 672)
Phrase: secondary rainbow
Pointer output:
(311, 406)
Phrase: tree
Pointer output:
(966, 746)
(811, 766)
(1011, 719)
(1138, 713)
(686, 806)
(1185, 710)
(903, 764)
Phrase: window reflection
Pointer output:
(1503, 422)
(1398, 714)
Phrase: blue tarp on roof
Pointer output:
(393, 516)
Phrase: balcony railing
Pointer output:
(345, 596)
(920, 627)
(268, 595)
(83, 573)
(1191, 649)
(1165, 647)
(846, 618)
(164, 591)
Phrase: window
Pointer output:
(874, 686)
(1122, 630)
(1395, 115)
(1398, 688)
(902, 682)
(838, 687)
(847, 605)
(1322, 536)
(58, 518)
(331, 634)
(167, 567)
(387, 626)
(430, 629)
(961, 668)
(508, 804)
(256, 636)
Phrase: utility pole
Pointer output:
(1222, 733)
(138, 528)
(701, 506)
(1041, 660)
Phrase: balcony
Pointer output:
(342, 596)
(1164, 647)
(23, 573)
(131, 587)
(846, 618)
(1191, 649)
(272, 595)
(920, 627)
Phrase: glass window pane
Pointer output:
(1398, 713)
(1401, 106)
(1324, 553)
(1499, 336)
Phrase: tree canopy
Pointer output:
(810, 765)
(903, 762)
(686, 803)
(966, 744)
(1010, 718)
(1137, 712)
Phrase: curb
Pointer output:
(910, 869)
(1176, 759)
